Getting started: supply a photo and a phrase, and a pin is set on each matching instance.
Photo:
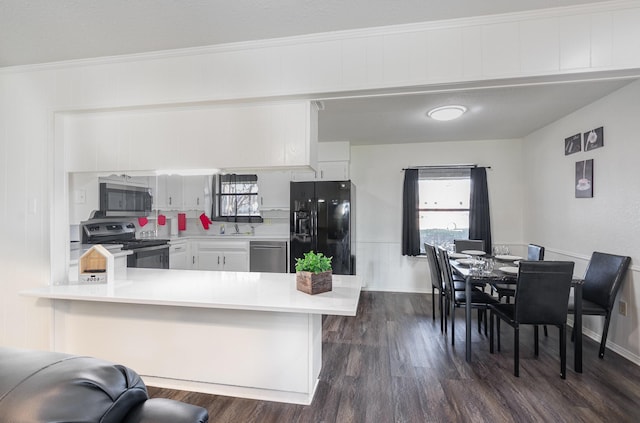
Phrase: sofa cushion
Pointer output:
(43, 387)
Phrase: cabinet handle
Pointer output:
(193, 259)
(218, 260)
(224, 260)
(261, 201)
(169, 200)
(198, 201)
(322, 174)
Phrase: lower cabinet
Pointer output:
(179, 257)
(231, 256)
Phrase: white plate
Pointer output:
(466, 262)
(474, 252)
(458, 255)
(509, 270)
(507, 257)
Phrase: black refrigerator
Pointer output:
(322, 219)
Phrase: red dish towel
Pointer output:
(182, 222)
(204, 219)
(162, 219)
(142, 221)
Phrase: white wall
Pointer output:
(377, 174)
(572, 228)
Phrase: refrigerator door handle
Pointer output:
(314, 227)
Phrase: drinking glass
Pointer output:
(477, 267)
(489, 265)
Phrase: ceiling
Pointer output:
(493, 113)
(41, 31)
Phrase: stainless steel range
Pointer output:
(147, 253)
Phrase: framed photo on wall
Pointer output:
(573, 144)
(594, 139)
(584, 179)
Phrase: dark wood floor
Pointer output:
(392, 364)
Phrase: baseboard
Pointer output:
(232, 391)
(634, 358)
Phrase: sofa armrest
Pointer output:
(161, 410)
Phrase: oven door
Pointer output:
(150, 257)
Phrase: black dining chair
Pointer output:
(534, 253)
(602, 281)
(436, 282)
(468, 244)
(456, 298)
(437, 277)
(541, 298)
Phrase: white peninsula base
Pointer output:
(249, 335)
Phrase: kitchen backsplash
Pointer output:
(270, 226)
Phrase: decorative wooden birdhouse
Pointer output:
(96, 266)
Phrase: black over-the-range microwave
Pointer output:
(124, 200)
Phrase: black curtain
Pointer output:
(410, 218)
(479, 221)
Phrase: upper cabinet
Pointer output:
(327, 171)
(333, 163)
(255, 135)
(196, 192)
(177, 192)
(273, 189)
(333, 171)
(166, 191)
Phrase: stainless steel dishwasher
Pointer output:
(268, 256)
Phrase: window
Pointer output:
(237, 198)
(443, 206)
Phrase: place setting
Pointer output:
(510, 270)
(474, 252)
(457, 256)
(507, 257)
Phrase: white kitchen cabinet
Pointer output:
(173, 193)
(179, 257)
(194, 192)
(333, 171)
(303, 175)
(167, 192)
(231, 256)
(273, 189)
(327, 171)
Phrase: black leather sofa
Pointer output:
(48, 387)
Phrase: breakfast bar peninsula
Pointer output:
(243, 334)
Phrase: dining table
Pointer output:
(473, 276)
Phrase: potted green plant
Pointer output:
(313, 273)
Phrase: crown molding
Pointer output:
(333, 36)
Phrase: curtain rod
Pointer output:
(460, 166)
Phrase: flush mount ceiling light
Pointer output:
(447, 112)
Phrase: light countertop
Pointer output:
(231, 237)
(210, 289)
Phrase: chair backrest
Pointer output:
(604, 277)
(468, 244)
(434, 266)
(445, 268)
(542, 292)
(535, 252)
